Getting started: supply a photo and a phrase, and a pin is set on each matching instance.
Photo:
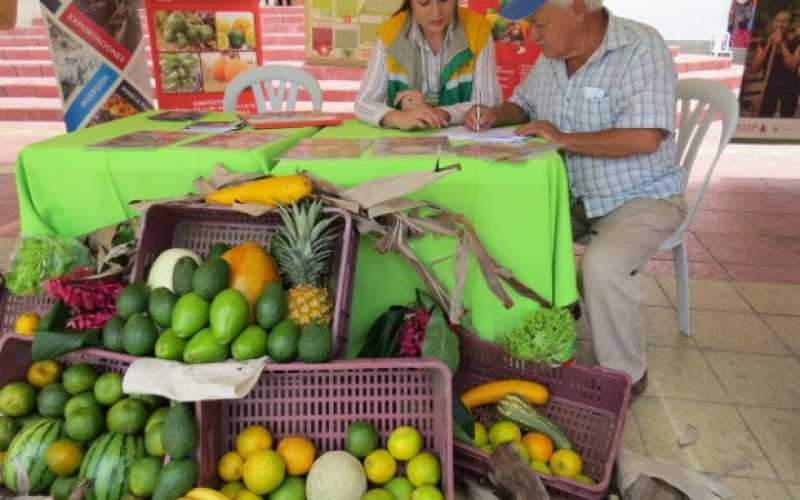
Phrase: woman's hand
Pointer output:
(487, 118)
(417, 118)
(409, 99)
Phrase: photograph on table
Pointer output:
(185, 30)
(180, 72)
(323, 149)
(410, 146)
(142, 139)
(219, 68)
(240, 139)
(236, 31)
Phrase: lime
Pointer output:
(377, 494)
(400, 487)
(424, 469)
(78, 378)
(427, 493)
(152, 440)
(404, 443)
(17, 399)
(155, 418)
(62, 487)
(231, 489)
(127, 416)
(142, 476)
(8, 429)
(52, 400)
(292, 488)
(362, 439)
(84, 424)
(380, 466)
(108, 388)
(151, 401)
(82, 400)
(541, 467)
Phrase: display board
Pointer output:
(199, 46)
(99, 59)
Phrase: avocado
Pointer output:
(211, 278)
(202, 348)
(282, 342)
(133, 299)
(139, 335)
(182, 275)
(217, 250)
(314, 345)
(250, 344)
(162, 300)
(112, 334)
(271, 307)
(228, 315)
(179, 435)
(189, 315)
(175, 480)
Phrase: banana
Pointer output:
(205, 494)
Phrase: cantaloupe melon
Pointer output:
(336, 475)
(161, 270)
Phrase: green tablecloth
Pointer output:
(520, 211)
(67, 189)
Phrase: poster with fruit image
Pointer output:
(199, 46)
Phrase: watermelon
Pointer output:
(107, 463)
(28, 448)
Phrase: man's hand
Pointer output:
(417, 118)
(487, 121)
(543, 129)
(409, 99)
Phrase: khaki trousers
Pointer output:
(611, 280)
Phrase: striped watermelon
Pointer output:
(107, 463)
(28, 448)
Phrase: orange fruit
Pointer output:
(298, 453)
(540, 447)
(243, 24)
(26, 323)
(218, 70)
(233, 68)
(45, 372)
(566, 463)
(64, 457)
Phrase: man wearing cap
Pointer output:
(604, 91)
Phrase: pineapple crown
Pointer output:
(303, 245)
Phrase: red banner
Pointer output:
(95, 36)
(199, 46)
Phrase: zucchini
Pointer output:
(523, 414)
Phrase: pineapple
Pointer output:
(302, 248)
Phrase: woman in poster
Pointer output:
(432, 60)
(740, 22)
(779, 57)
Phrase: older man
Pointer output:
(604, 91)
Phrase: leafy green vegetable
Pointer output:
(463, 421)
(50, 345)
(40, 258)
(381, 341)
(545, 336)
(440, 341)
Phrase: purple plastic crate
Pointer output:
(198, 227)
(588, 403)
(12, 306)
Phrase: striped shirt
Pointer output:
(629, 82)
(371, 106)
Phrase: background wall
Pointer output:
(677, 20)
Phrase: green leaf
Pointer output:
(440, 341)
(381, 341)
(463, 421)
(49, 345)
(55, 319)
(425, 300)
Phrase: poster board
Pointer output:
(99, 59)
(343, 32)
(769, 98)
(199, 46)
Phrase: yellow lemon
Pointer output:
(481, 437)
(503, 432)
(45, 372)
(250, 38)
(263, 472)
(230, 466)
(404, 443)
(247, 495)
(63, 457)
(222, 41)
(424, 469)
(298, 454)
(252, 439)
(26, 323)
(566, 463)
(380, 466)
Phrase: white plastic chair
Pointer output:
(700, 102)
(282, 83)
(721, 45)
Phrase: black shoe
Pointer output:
(639, 387)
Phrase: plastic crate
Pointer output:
(588, 403)
(198, 227)
(320, 400)
(12, 306)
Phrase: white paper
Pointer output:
(501, 135)
(180, 382)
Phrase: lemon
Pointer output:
(222, 40)
(230, 466)
(26, 323)
(380, 466)
(404, 443)
(481, 437)
(247, 495)
(297, 453)
(63, 457)
(223, 26)
(250, 38)
(566, 463)
(503, 432)
(45, 372)
(424, 469)
(252, 439)
(231, 489)
(263, 472)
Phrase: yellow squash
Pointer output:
(284, 189)
(493, 392)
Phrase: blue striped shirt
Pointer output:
(629, 82)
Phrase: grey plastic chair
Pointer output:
(700, 102)
(282, 84)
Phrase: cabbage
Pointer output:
(546, 336)
(41, 258)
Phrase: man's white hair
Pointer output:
(591, 5)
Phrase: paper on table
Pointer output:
(181, 382)
(505, 134)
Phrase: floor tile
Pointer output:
(753, 379)
(764, 274)
(752, 251)
(655, 295)
(752, 185)
(682, 373)
(631, 439)
(728, 223)
(775, 225)
(709, 294)
(771, 298)
(776, 432)
(662, 329)
(773, 203)
(792, 242)
(794, 489)
(791, 186)
(738, 332)
(788, 329)
(697, 270)
(724, 439)
(7, 244)
(7, 169)
(757, 489)
(697, 252)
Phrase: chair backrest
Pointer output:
(281, 83)
(721, 44)
(699, 103)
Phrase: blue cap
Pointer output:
(516, 10)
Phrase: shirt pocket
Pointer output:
(594, 114)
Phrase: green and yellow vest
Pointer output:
(403, 64)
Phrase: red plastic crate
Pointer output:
(588, 403)
(197, 227)
(12, 306)
(320, 400)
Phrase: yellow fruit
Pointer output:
(424, 469)
(247, 495)
(427, 492)
(243, 24)
(566, 463)
(26, 323)
(522, 451)
(404, 443)
(63, 457)
(252, 439)
(224, 27)
(250, 38)
(218, 69)
(45, 372)
(541, 467)
(540, 447)
(251, 268)
(298, 454)
(231, 489)
(481, 437)
(380, 466)
(503, 432)
(493, 392)
(230, 466)
(204, 494)
(308, 303)
(233, 67)
(222, 40)
(263, 472)
(584, 479)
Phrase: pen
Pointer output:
(478, 129)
